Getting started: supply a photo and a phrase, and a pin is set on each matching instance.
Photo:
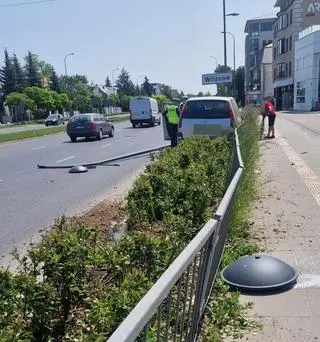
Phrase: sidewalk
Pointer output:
(287, 226)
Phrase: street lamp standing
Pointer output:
(213, 57)
(65, 62)
(225, 34)
(234, 58)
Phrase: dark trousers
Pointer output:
(173, 132)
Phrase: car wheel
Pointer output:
(100, 135)
(159, 122)
(111, 135)
(152, 123)
(46, 125)
(134, 125)
(73, 138)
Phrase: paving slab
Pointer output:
(286, 225)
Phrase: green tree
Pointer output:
(124, 83)
(240, 86)
(43, 100)
(200, 94)
(124, 102)
(19, 75)
(114, 99)
(7, 76)
(16, 98)
(137, 91)
(147, 88)
(61, 101)
(224, 89)
(82, 98)
(33, 76)
(54, 81)
(108, 82)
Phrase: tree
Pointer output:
(19, 75)
(43, 100)
(137, 91)
(240, 86)
(7, 76)
(124, 84)
(33, 78)
(82, 98)
(61, 101)
(54, 81)
(108, 82)
(200, 94)
(16, 98)
(224, 89)
(147, 88)
(162, 99)
(114, 99)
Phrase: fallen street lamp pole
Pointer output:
(105, 161)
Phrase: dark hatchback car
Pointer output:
(54, 119)
(89, 125)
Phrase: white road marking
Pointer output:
(39, 148)
(106, 145)
(65, 159)
(307, 175)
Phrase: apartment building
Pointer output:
(259, 34)
(294, 17)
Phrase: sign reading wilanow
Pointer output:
(312, 13)
(216, 78)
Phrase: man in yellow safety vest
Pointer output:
(171, 115)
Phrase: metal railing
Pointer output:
(172, 309)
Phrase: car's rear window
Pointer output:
(206, 109)
(81, 118)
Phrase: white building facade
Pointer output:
(307, 70)
(266, 72)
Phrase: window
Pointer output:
(206, 109)
(281, 46)
(274, 74)
(291, 16)
(266, 27)
(281, 70)
(287, 69)
(290, 43)
(301, 92)
(290, 69)
(287, 45)
(254, 45)
(274, 53)
(254, 30)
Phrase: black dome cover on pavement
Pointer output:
(78, 169)
(259, 273)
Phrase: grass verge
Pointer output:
(30, 134)
(16, 136)
(225, 316)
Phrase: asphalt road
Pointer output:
(30, 198)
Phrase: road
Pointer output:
(30, 198)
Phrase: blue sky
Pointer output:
(169, 41)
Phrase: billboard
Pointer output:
(311, 13)
(218, 78)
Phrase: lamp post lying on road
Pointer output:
(65, 62)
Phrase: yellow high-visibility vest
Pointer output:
(172, 115)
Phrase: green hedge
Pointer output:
(77, 286)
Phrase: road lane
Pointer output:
(31, 198)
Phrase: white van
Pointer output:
(144, 110)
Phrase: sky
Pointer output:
(169, 41)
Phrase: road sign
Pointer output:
(219, 78)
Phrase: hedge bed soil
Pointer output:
(87, 285)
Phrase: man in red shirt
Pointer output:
(271, 114)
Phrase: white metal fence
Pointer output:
(174, 306)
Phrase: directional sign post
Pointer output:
(220, 78)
